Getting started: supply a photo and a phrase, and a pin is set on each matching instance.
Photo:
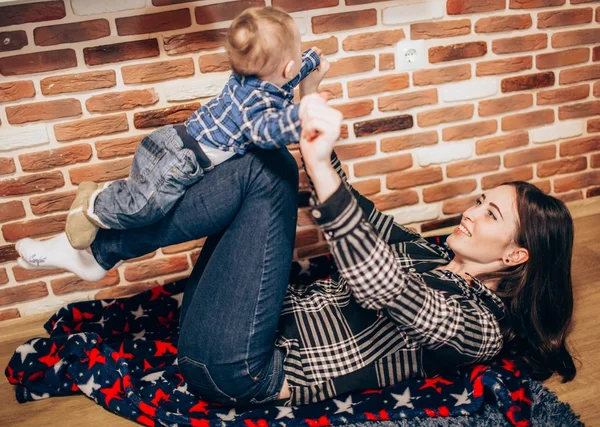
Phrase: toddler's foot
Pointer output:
(57, 252)
(80, 230)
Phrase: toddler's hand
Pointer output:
(311, 83)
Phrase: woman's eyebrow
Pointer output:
(497, 208)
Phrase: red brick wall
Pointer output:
(511, 90)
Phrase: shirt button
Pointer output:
(330, 233)
(316, 213)
(412, 270)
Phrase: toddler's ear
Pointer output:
(287, 71)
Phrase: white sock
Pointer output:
(57, 252)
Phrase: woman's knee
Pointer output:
(282, 167)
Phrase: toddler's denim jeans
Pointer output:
(165, 164)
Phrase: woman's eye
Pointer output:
(478, 202)
(491, 215)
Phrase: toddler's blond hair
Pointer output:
(258, 41)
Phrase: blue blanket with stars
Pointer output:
(123, 355)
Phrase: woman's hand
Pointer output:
(320, 132)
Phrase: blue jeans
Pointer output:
(163, 168)
(230, 310)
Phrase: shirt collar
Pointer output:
(253, 82)
(489, 298)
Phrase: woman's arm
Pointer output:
(369, 266)
(383, 224)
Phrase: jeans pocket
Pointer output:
(145, 159)
(187, 170)
(196, 374)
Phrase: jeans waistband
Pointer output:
(189, 142)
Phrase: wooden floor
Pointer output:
(583, 393)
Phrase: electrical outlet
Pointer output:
(410, 55)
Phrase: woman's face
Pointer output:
(486, 232)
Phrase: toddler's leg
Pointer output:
(80, 230)
(57, 252)
(161, 171)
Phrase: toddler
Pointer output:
(254, 109)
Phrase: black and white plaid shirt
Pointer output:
(388, 313)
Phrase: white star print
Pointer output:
(228, 416)
(107, 304)
(183, 389)
(100, 322)
(58, 365)
(304, 267)
(140, 335)
(43, 396)
(285, 412)
(139, 312)
(461, 399)
(89, 387)
(150, 378)
(345, 406)
(26, 349)
(403, 399)
(179, 298)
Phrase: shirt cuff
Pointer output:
(339, 214)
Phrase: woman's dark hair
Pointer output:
(538, 294)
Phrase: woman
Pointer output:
(399, 307)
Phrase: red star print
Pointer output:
(158, 292)
(160, 397)
(95, 357)
(69, 331)
(126, 330)
(10, 375)
(478, 387)
(166, 321)
(200, 407)
(479, 369)
(259, 423)
(78, 316)
(199, 423)
(147, 365)
(321, 422)
(510, 366)
(127, 382)
(163, 348)
(372, 392)
(511, 416)
(520, 396)
(52, 358)
(147, 409)
(145, 421)
(431, 382)
(181, 380)
(383, 415)
(121, 353)
(113, 392)
(441, 412)
(36, 375)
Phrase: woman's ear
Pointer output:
(515, 257)
(287, 71)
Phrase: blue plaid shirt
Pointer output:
(250, 111)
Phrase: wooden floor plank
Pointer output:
(582, 393)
